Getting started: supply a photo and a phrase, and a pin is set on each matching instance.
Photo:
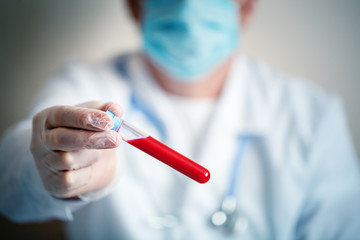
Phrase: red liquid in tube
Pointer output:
(172, 158)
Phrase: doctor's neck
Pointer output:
(208, 87)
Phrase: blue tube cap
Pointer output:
(117, 121)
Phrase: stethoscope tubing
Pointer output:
(243, 140)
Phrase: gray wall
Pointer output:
(316, 39)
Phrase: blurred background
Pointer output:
(315, 39)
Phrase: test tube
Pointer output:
(158, 150)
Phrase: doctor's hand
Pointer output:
(74, 148)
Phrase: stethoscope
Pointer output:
(228, 218)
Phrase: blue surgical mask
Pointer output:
(188, 39)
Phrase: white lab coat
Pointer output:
(299, 177)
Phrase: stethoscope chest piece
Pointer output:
(228, 218)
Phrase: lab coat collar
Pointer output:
(243, 104)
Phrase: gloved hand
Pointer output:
(73, 147)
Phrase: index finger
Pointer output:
(78, 117)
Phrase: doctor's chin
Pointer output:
(185, 136)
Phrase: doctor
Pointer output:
(281, 160)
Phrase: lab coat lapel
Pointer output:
(239, 111)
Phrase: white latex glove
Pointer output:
(73, 147)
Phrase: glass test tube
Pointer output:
(160, 151)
